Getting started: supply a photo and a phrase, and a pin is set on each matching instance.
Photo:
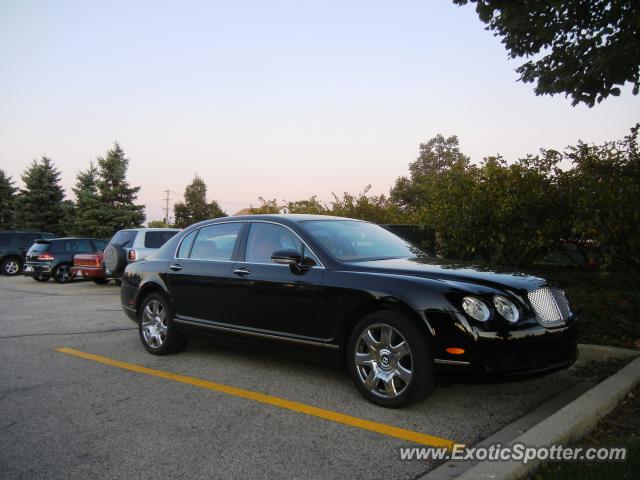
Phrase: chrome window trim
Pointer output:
(175, 253)
(442, 361)
(292, 231)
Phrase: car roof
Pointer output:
(284, 217)
(68, 238)
(150, 229)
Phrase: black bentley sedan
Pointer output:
(353, 289)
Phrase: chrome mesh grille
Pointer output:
(550, 305)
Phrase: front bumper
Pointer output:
(528, 350)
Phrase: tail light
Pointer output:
(132, 255)
(45, 257)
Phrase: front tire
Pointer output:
(389, 359)
(156, 328)
(11, 266)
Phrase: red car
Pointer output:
(90, 265)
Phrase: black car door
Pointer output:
(200, 275)
(276, 298)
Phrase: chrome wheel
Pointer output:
(63, 274)
(383, 361)
(154, 323)
(11, 267)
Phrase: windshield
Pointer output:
(354, 241)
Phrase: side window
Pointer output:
(5, 240)
(215, 242)
(267, 238)
(78, 246)
(185, 246)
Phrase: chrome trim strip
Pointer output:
(214, 326)
(175, 257)
(442, 361)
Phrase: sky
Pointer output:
(278, 99)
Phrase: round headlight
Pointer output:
(475, 308)
(506, 308)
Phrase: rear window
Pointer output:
(157, 239)
(40, 247)
(5, 239)
(100, 245)
(124, 238)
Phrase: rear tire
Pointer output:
(115, 259)
(156, 328)
(389, 359)
(11, 266)
(62, 273)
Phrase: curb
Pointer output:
(599, 353)
(571, 422)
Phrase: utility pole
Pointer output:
(166, 207)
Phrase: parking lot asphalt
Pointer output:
(65, 416)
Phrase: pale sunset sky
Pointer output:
(280, 99)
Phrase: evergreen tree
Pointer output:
(88, 205)
(195, 207)
(7, 198)
(39, 204)
(116, 208)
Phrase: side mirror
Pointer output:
(286, 257)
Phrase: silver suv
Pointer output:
(133, 244)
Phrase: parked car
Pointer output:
(13, 248)
(132, 245)
(53, 258)
(90, 265)
(354, 290)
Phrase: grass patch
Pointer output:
(619, 429)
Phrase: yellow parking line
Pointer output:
(389, 430)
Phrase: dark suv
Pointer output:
(13, 248)
(54, 257)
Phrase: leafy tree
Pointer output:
(373, 208)
(309, 206)
(7, 198)
(195, 207)
(584, 48)
(116, 209)
(437, 156)
(88, 206)
(604, 187)
(157, 224)
(266, 206)
(39, 204)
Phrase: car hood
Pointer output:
(435, 268)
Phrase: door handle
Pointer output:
(242, 271)
(176, 267)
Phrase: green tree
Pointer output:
(7, 198)
(373, 208)
(583, 48)
(39, 204)
(117, 208)
(157, 224)
(604, 186)
(88, 206)
(195, 207)
(266, 206)
(310, 206)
